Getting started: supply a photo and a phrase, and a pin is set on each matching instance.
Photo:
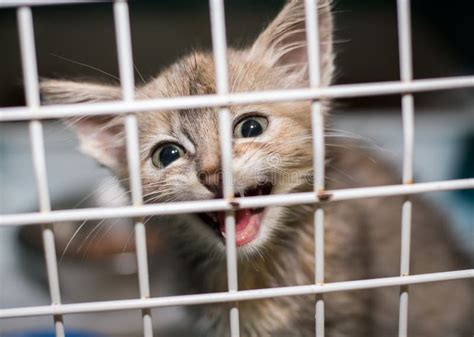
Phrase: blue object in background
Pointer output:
(466, 167)
(463, 200)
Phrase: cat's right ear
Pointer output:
(283, 43)
(101, 137)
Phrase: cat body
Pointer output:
(272, 154)
(362, 241)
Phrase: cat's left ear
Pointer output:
(283, 42)
(101, 137)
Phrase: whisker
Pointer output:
(71, 239)
(130, 235)
(89, 235)
(86, 65)
(139, 73)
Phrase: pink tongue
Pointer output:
(246, 225)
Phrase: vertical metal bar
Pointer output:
(317, 124)
(406, 75)
(312, 38)
(219, 44)
(319, 267)
(30, 79)
(124, 49)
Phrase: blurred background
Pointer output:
(78, 41)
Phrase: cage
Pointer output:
(137, 260)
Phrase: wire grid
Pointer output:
(34, 113)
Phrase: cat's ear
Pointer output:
(283, 42)
(101, 137)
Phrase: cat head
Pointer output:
(180, 151)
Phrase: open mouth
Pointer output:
(247, 221)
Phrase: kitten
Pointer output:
(180, 160)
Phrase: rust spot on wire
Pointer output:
(324, 196)
(235, 204)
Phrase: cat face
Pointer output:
(180, 151)
(181, 157)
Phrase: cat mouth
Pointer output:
(247, 221)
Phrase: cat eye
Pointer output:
(250, 127)
(166, 154)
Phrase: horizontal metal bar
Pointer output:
(243, 295)
(30, 3)
(202, 101)
(223, 205)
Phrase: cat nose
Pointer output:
(212, 181)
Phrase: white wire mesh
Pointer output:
(124, 48)
(30, 74)
(317, 124)
(225, 133)
(33, 112)
(408, 117)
